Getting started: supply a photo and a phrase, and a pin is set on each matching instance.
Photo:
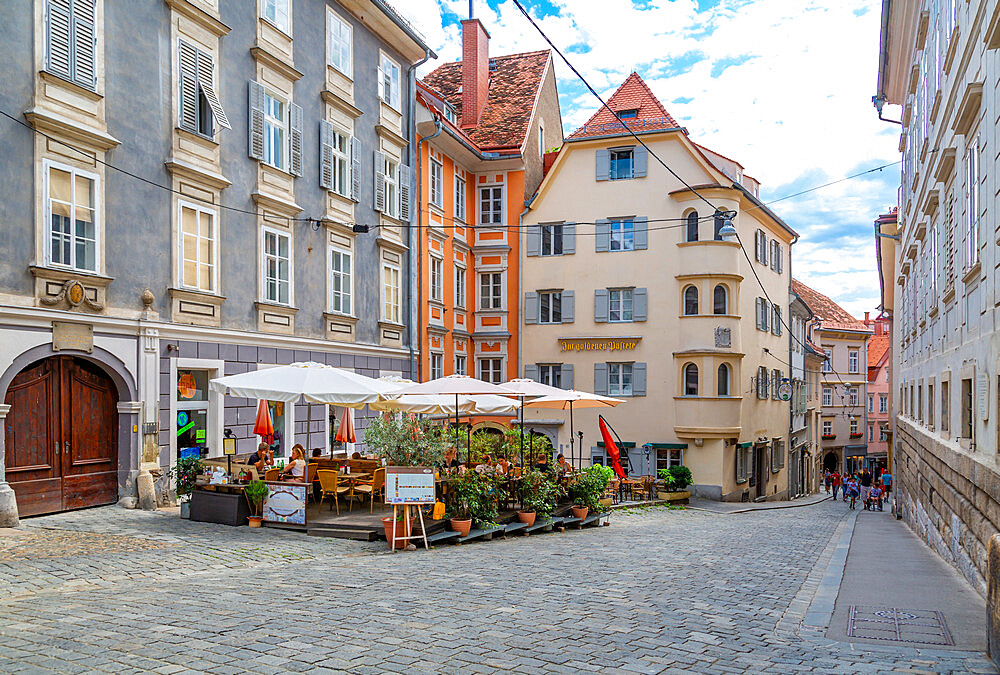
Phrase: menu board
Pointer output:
(409, 485)
(286, 503)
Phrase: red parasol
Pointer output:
(612, 448)
(345, 432)
(263, 427)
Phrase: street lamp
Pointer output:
(727, 231)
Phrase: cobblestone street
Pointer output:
(657, 591)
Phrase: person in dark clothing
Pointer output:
(261, 458)
(866, 488)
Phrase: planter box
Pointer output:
(829, 437)
(681, 497)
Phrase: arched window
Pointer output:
(721, 300)
(723, 380)
(690, 301)
(690, 380)
(692, 226)
(719, 221)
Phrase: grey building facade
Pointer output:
(194, 188)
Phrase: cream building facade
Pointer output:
(629, 290)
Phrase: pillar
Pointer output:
(8, 505)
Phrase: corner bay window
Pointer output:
(72, 218)
(720, 300)
(490, 290)
(690, 301)
(723, 388)
(691, 232)
(277, 267)
(690, 380)
(620, 379)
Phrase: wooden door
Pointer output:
(62, 436)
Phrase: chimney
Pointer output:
(867, 322)
(475, 71)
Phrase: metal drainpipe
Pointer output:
(520, 291)
(411, 79)
(420, 252)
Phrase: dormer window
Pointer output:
(449, 114)
(629, 114)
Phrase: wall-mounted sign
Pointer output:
(785, 391)
(598, 344)
(409, 485)
(228, 446)
(78, 336)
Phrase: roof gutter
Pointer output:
(880, 98)
(484, 156)
(404, 26)
(763, 207)
(420, 249)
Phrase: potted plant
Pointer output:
(675, 480)
(539, 496)
(406, 440)
(588, 490)
(400, 526)
(186, 473)
(255, 492)
(473, 498)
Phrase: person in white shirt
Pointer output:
(296, 468)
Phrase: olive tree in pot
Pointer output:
(588, 489)
(186, 473)
(256, 492)
(539, 496)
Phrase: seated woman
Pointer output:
(563, 467)
(296, 469)
(486, 466)
(451, 459)
(262, 458)
(503, 466)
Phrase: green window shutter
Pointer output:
(639, 304)
(601, 379)
(601, 305)
(295, 132)
(256, 144)
(603, 158)
(566, 376)
(569, 238)
(57, 36)
(187, 56)
(568, 306)
(640, 233)
(325, 155)
(638, 379)
(85, 43)
(530, 307)
(602, 240)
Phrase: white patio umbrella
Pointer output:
(580, 399)
(307, 380)
(526, 388)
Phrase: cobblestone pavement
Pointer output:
(658, 591)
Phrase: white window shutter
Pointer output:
(380, 80)
(206, 80)
(325, 155)
(295, 133)
(58, 18)
(85, 43)
(256, 144)
(187, 117)
(379, 181)
(404, 193)
(355, 170)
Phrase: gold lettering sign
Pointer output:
(78, 336)
(598, 344)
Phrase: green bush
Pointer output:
(255, 492)
(540, 493)
(186, 471)
(682, 476)
(476, 496)
(590, 486)
(405, 440)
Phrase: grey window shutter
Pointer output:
(188, 114)
(601, 379)
(640, 233)
(639, 162)
(206, 80)
(534, 240)
(404, 192)
(569, 238)
(256, 120)
(603, 164)
(568, 306)
(639, 304)
(638, 379)
(379, 181)
(758, 313)
(566, 376)
(85, 43)
(531, 307)
(325, 155)
(601, 305)
(295, 128)
(602, 240)
(57, 48)
(531, 371)
(355, 171)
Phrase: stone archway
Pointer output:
(831, 461)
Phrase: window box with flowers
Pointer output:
(857, 435)
(829, 437)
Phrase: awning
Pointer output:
(624, 444)
(748, 444)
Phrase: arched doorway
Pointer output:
(830, 461)
(61, 436)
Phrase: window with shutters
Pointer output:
(622, 166)
(552, 239)
(742, 464)
(460, 187)
(777, 455)
(720, 300)
(341, 281)
(619, 379)
(460, 364)
(338, 43)
(460, 291)
(336, 163)
(437, 365)
(491, 370)
(776, 256)
(763, 314)
(391, 175)
(437, 179)
(71, 221)
(690, 380)
(762, 382)
(691, 301)
(437, 279)
(197, 254)
(691, 229)
(776, 324)
(71, 41)
(622, 235)
(275, 131)
(491, 205)
(491, 290)
(550, 374)
(390, 293)
(277, 272)
(200, 108)
(775, 384)
(550, 307)
(620, 305)
(276, 13)
(388, 82)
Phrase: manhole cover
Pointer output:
(890, 624)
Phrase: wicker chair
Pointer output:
(329, 484)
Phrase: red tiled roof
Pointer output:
(514, 84)
(634, 94)
(832, 315)
(878, 345)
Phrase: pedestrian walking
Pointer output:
(836, 480)
(852, 489)
(827, 481)
(887, 481)
(866, 487)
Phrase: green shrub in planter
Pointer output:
(186, 472)
(540, 493)
(255, 492)
(682, 477)
(476, 496)
(590, 486)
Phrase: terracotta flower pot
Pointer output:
(461, 526)
(579, 512)
(255, 521)
(526, 517)
(400, 531)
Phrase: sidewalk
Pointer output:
(745, 507)
(888, 568)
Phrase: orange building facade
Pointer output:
(483, 127)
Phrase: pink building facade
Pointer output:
(878, 403)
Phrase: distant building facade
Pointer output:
(878, 391)
(804, 465)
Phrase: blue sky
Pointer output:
(782, 86)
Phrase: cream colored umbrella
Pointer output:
(570, 399)
(527, 388)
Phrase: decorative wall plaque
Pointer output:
(723, 337)
(73, 294)
(78, 336)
